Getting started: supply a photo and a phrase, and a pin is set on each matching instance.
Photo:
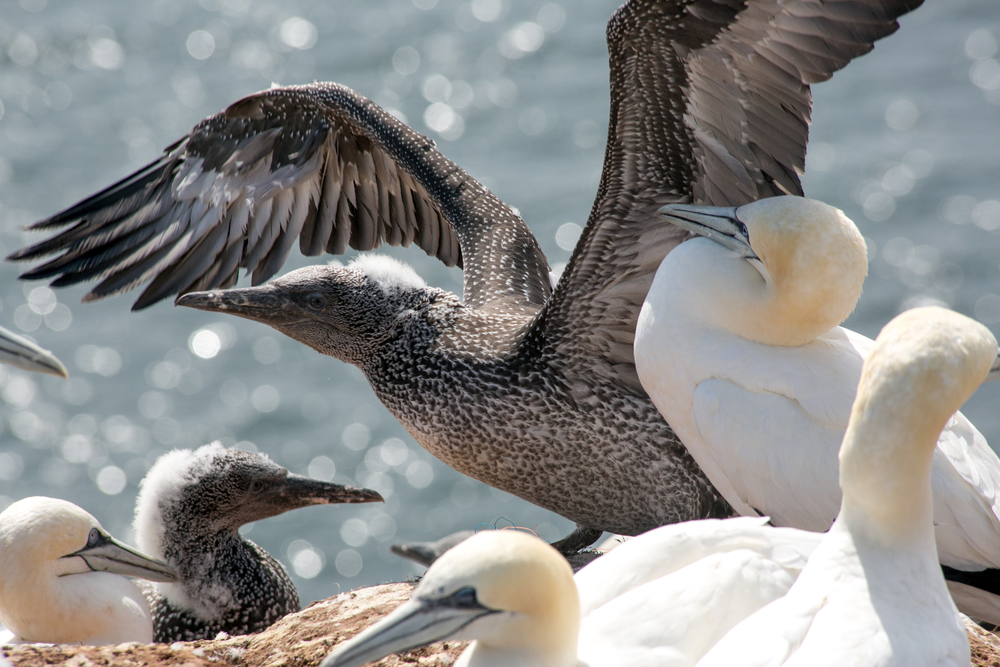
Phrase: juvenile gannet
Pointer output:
(663, 598)
(528, 389)
(872, 592)
(20, 352)
(189, 511)
(60, 577)
(738, 345)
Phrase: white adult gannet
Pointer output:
(872, 592)
(20, 352)
(739, 348)
(59, 577)
(663, 598)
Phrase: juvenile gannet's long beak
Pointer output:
(104, 553)
(414, 623)
(720, 224)
(266, 304)
(21, 352)
(300, 491)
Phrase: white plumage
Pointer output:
(660, 600)
(60, 577)
(872, 593)
(738, 346)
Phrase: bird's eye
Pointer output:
(94, 537)
(256, 486)
(316, 301)
(744, 231)
(465, 598)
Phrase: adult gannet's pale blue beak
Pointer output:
(21, 352)
(104, 553)
(414, 623)
(721, 224)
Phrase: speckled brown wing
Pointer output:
(710, 104)
(317, 163)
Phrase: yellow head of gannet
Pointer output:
(508, 590)
(926, 363)
(783, 270)
(59, 577)
(873, 593)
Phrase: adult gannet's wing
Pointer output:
(317, 163)
(710, 104)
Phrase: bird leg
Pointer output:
(580, 538)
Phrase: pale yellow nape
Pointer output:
(814, 265)
(927, 362)
(516, 572)
(40, 602)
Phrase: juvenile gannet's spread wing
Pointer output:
(710, 104)
(319, 164)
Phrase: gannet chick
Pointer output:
(663, 598)
(872, 593)
(738, 346)
(20, 352)
(60, 577)
(190, 508)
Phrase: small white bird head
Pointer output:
(56, 535)
(509, 591)
(56, 583)
(810, 263)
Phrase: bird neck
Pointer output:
(885, 469)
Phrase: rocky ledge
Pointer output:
(303, 639)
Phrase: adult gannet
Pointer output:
(20, 352)
(663, 598)
(189, 511)
(527, 389)
(738, 345)
(872, 592)
(60, 577)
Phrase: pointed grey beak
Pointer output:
(720, 224)
(104, 553)
(994, 372)
(265, 303)
(414, 623)
(300, 491)
(22, 353)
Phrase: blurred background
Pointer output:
(906, 141)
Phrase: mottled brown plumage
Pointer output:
(530, 391)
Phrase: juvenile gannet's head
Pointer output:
(926, 362)
(188, 495)
(810, 262)
(509, 591)
(49, 550)
(342, 311)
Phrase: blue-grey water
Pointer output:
(906, 140)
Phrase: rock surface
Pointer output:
(303, 639)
